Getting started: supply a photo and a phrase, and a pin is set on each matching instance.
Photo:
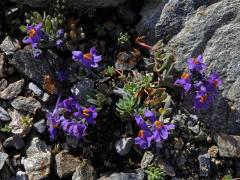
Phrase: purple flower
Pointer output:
(185, 81)
(60, 33)
(90, 59)
(59, 43)
(37, 53)
(62, 75)
(203, 99)
(160, 131)
(34, 34)
(53, 120)
(68, 105)
(145, 135)
(214, 82)
(196, 64)
(89, 114)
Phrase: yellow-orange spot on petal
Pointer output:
(203, 98)
(87, 56)
(32, 33)
(215, 82)
(185, 76)
(86, 112)
(158, 124)
(195, 61)
(141, 133)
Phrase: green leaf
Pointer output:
(23, 28)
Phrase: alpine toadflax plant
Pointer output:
(156, 131)
(71, 118)
(90, 59)
(195, 82)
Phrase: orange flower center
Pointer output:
(215, 82)
(32, 33)
(158, 124)
(195, 61)
(203, 98)
(87, 56)
(86, 112)
(185, 76)
(141, 133)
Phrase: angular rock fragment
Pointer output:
(13, 90)
(28, 104)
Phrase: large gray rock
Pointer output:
(65, 164)
(4, 116)
(124, 145)
(228, 145)
(3, 158)
(85, 172)
(214, 32)
(28, 104)
(38, 159)
(133, 175)
(9, 45)
(76, 4)
(13, 90)
(35, 70)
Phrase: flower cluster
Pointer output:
(34, 36)
(60, 35)
(90, 59)
(72, 118)
(157, 132)
(195, 82)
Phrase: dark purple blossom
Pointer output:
(69, 116)
(214, 82)
(90, 59)
(37, 53)
(185, 81)
(34, 35)
(53, 120)
(196, 64)
(145, 135)
(59, 43)
(60, 33)
(62, 75)
(203, 99)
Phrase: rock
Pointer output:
(13, 90)
(74, 4)
(72, 141)
(168, 169)
(147, 159)
(45, 97)
(40, 126)
(212, 151)
(36, 90)
(38, 160)
(4, 116)
(124, 145)
(25, 64)
(3, 84)
(181, 160)
(3, 158)
(93, 3)
(9, 46)
(14, 142)
(150, 13)
(228, 145)
(16, 125)
(28, 104)
(137, 174)
(216, 27)
(2, 65)
(83, 86)
(126, 14)
(85, 172)
(127, 60)
(195, 129)
(204, 164)
(20, 175)
(5, 173)
(65, 164)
